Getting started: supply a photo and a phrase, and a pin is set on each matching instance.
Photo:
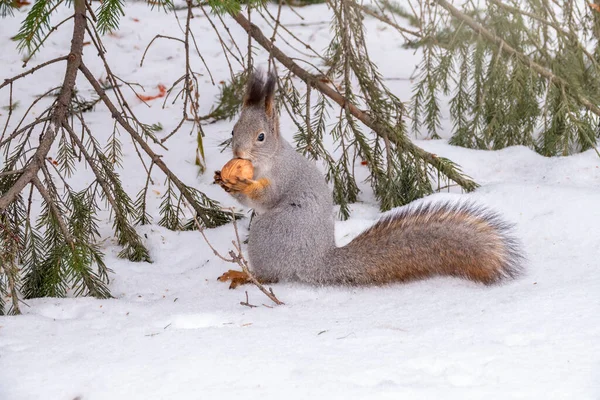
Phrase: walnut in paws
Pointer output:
(237, 169)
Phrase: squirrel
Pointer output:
(292, 233)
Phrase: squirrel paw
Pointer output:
(237, 278)
(239, 185)
(218, 179)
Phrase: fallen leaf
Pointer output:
(162, 91)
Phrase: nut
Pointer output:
(237, 168)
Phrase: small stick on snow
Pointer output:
(246, 303)
(237, 257)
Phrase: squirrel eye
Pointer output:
(261, 137)
(232, 133)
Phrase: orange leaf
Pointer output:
(162, 91)
(595, 7)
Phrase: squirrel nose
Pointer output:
(240, 154)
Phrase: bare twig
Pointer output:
(152, 41)
(11, 107)
(289, 32)
(111, 77)
(38, 120)
(230, 37)
(277, 23)
(189, 79)
(32, 70)
(246, 303)
(225, 48)
(243, 263)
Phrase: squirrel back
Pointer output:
(292, 235)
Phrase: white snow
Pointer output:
(173, 332)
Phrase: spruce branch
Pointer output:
(506, 48)
(60, 111)
(202, 213)
(131, 238)
(445, 166)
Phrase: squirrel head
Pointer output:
(256, 133)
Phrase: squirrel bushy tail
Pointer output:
(418, 242)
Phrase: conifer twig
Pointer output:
(55, 211)
(384, 19)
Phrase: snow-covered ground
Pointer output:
(173, 332)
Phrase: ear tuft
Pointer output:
(261, 93)
(255, 91)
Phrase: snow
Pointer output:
(173, 331)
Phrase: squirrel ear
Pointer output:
(270, 95)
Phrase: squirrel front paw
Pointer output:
(218, 179)
(237, 185)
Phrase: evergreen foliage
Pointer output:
(7, 8)
(535, 84)
(36, 25)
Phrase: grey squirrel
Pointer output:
(292, 234)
